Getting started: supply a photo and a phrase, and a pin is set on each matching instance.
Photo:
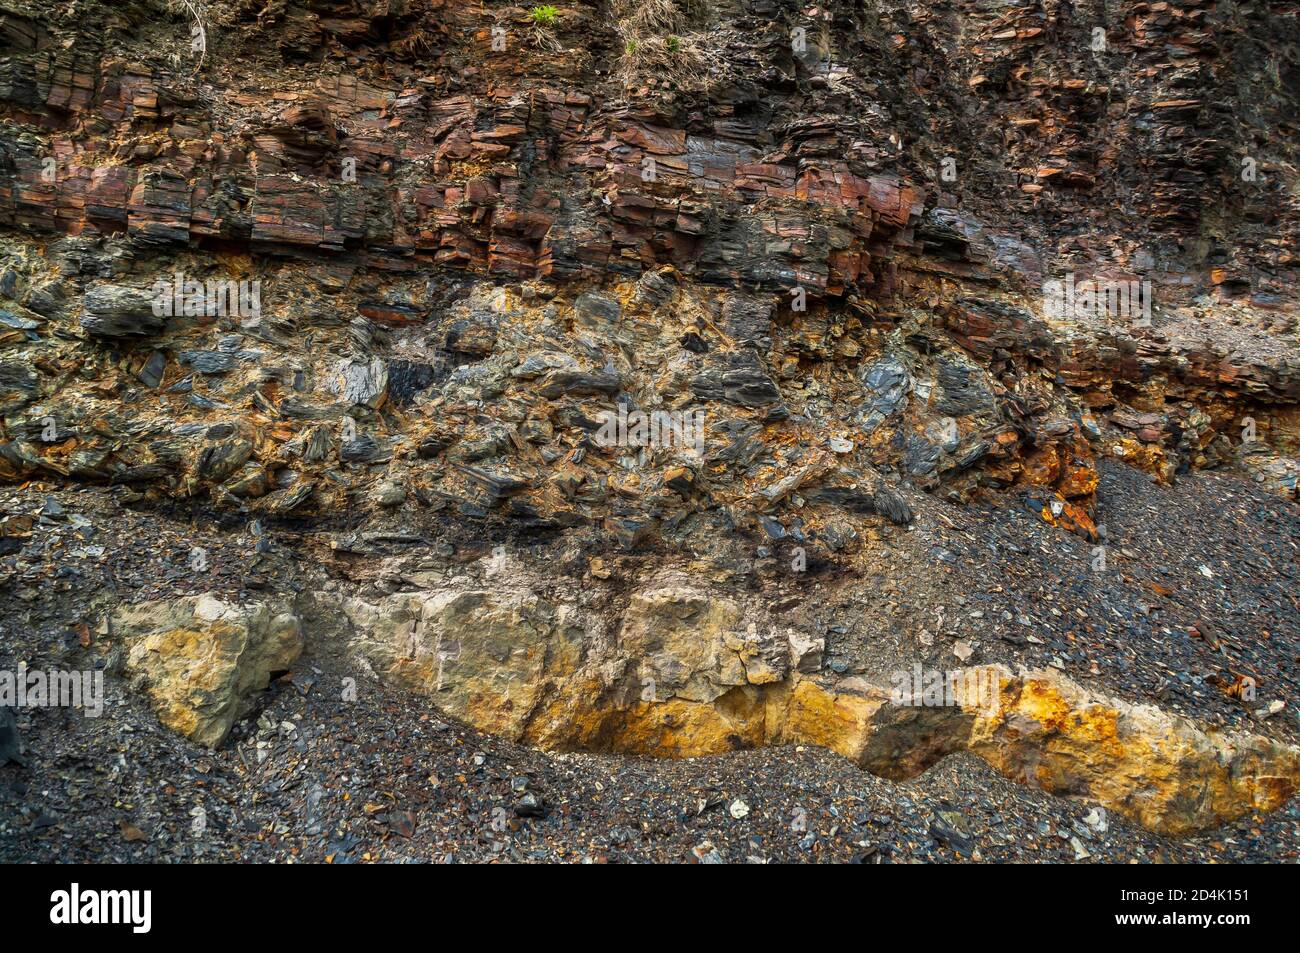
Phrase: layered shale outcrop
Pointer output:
(670, 279)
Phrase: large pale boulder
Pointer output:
(202, 661)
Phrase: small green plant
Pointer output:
(673, 44)
(544, 15)
(631, 47)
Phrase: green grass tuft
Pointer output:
(544, 15)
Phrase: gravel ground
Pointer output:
(1150, 627)
(383, 779)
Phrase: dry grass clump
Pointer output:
(195, 48)
(419, 42)
(646, 18)
(658, 42)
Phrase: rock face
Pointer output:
(748, 241)
(1162, 771)
(808, 263)
(481, 656)
(202, 661)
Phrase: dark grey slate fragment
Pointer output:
(737, 379)
(961, 389)
(116, 311)
(920, 456)
(151, 374)
(887, 383)
(593, 310)
(558, 383)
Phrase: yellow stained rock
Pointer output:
(679, 679)
(201, 661)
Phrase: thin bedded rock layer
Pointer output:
(466, 256)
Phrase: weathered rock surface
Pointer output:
(832, 255)
(651, 239)
(682, 676)
(203, 661)
(115, 312)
